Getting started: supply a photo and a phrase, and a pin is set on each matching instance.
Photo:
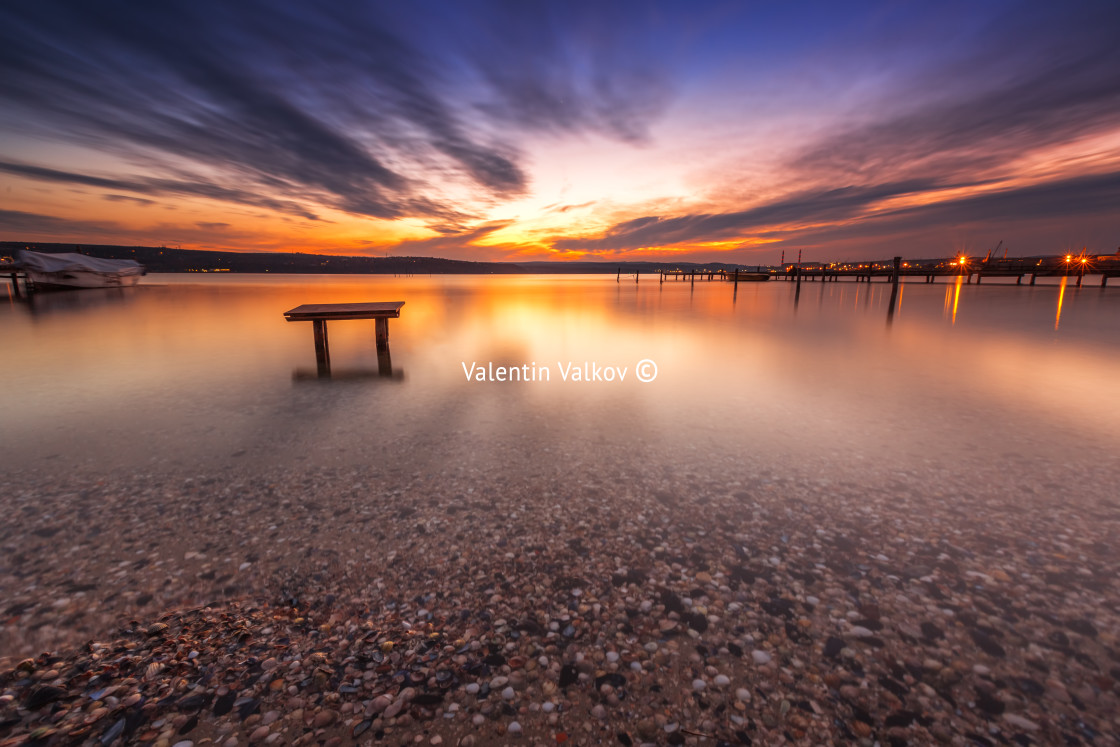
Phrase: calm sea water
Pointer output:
(198, 373)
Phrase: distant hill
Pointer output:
(165, 259)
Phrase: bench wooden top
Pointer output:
(315, 311)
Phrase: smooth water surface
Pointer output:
(194, 373)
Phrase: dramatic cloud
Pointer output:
(454, 245)
(293, 107)
(653, 231)
(952, 145)
(532, 55)
(843, 213)
(1056, 95)
(34, 224)
(40, 227)
(153, 186)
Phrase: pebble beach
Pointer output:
(563, 603)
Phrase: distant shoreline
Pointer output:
(160, 259)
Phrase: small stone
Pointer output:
(699, 684)
(258, 734)
(721, 680)
(514, 728)
(381, 702)
(761, 657)
(743, 694)
(1020, 722)
(508, 694)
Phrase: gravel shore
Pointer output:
(719, 605)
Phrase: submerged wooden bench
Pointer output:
(321, 313)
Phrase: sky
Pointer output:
(520, 130)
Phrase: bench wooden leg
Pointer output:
(384, 363)
(382, 333)
(322, 353)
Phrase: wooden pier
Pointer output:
(15, 276)
(968, 268)
(760, 274)
(1066, 265)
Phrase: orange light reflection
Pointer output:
(1061, 297)
(957, 298)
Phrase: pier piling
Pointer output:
(894, 288)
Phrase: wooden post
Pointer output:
(384, 362)
(636, 274)
(894, 289)
(1104, 280)
(381, 332)
(322, 353)
(618, 277)
(1033, 276)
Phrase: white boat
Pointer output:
(61, 271)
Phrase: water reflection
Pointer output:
(1061, 297)
(324, 372)
(194, 371)
(956, 296)
(73, 301)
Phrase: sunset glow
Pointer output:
(626, 131)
